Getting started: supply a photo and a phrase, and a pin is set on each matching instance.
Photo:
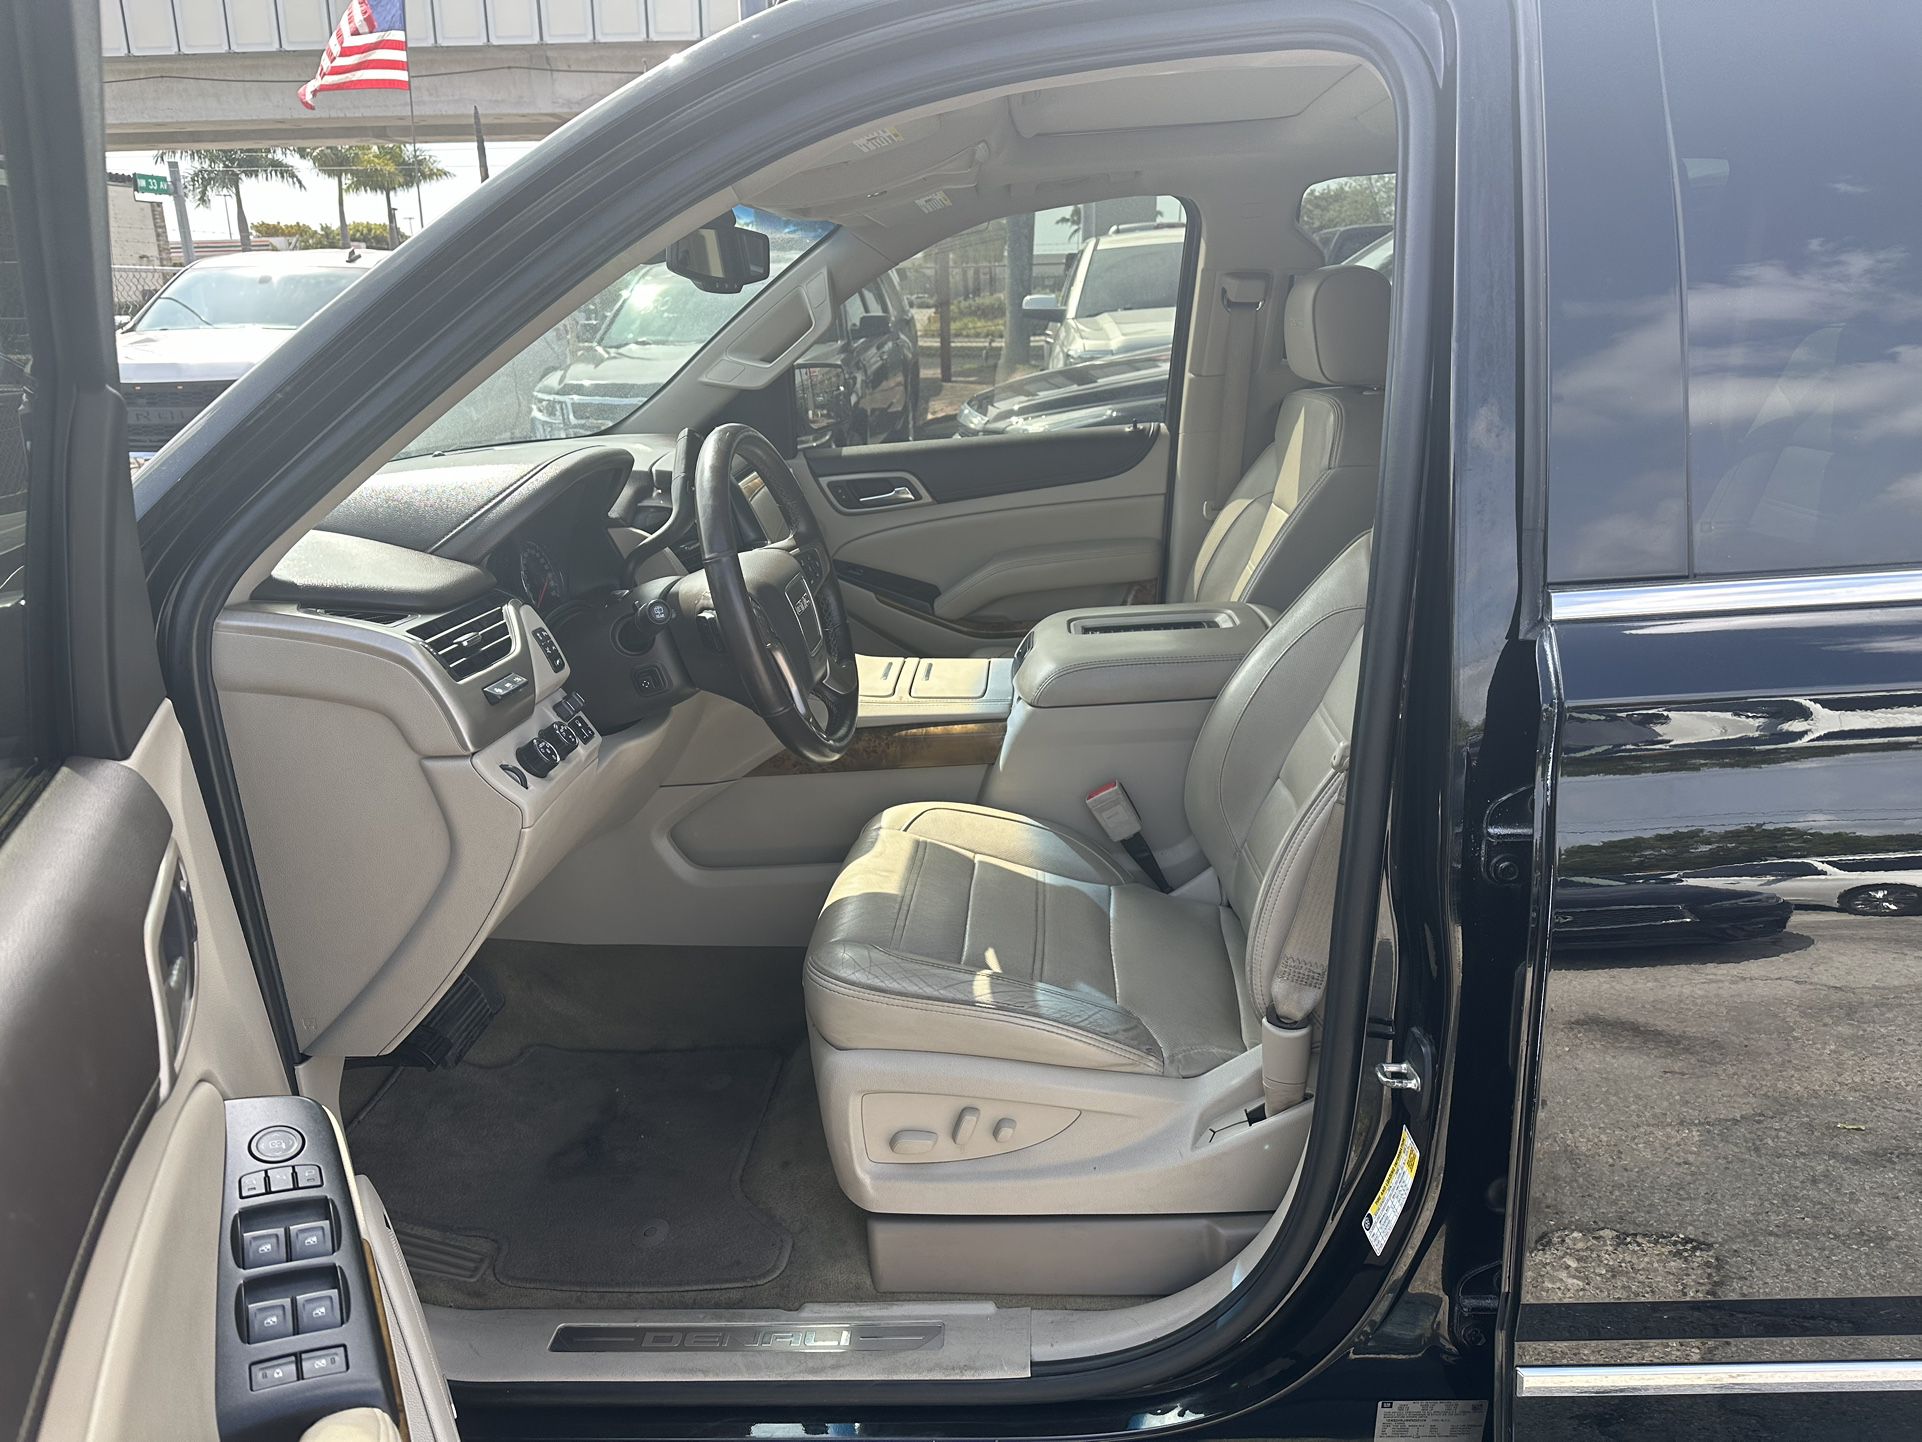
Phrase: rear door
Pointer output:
(1027, 486)
(1718, 1224)
(145, 1115)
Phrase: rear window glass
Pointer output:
(1800, 178)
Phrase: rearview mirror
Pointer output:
(721, 257)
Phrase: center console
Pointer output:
(1119, 694)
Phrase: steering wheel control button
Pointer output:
(270, 1321)
(276, 1144)
(277, 1373)
(318, 1311)
(263, 1249)
(550, 648)
(512, 684)
(307, 1240)
(307, 1176)
(324, 1362)
(538, 755)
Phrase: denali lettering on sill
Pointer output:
(829, 1337)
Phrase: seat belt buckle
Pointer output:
(1122, 823)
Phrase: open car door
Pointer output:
(182, 1254)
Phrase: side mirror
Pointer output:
(1043, 309)
(873, 327)
(721, 257)
(822, 404)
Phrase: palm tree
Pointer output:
(388, 168)
(214, 173)
(340, 163)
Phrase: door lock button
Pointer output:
(277, 1373)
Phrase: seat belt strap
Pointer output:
(1243, 294)
(1119, 819)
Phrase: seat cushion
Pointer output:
(970, 931)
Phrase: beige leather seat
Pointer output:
(959, 931)
(1312, 491)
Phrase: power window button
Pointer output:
(263, 1249)
(270, 1321)
(310, 1239)
(318, 1311)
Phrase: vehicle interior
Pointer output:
(718, 880)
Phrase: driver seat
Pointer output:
(994, 991)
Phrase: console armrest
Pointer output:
(1124, 654)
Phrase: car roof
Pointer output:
(291, 260)
(1173, 233)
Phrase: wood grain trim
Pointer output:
(902, 748)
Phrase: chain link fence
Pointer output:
(135, 285)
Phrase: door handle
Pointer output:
(899, 496)
(173, 943)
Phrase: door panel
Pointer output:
(1723, 1156)
(1000, 531)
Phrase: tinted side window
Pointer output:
(1056, 320)
(1796, 133)
(18, 733)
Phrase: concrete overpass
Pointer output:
(223, 72)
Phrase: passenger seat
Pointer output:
(1312, 492)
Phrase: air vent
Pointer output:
(470, 639)
(348, 613)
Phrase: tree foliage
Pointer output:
(211, 175)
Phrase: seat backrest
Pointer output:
(1313, 490)
(1269, 762)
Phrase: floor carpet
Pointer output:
(581, 1170)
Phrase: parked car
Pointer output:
(482, 926)
(1117, 390)
(212, 323)
(1119, 296)
(1604, 913)
(1886, 885)
(859, 383)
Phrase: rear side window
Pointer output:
(1797, 136)
(1351, 217)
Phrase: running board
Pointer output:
(863, 1342)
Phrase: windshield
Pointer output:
(1131, 277)
(591, 371)
(220, 296)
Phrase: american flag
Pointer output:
(368, 50)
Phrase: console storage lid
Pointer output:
(1124, 654)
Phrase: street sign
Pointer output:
(151, 187)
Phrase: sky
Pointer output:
(316, 204)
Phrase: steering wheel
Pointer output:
(779, 606)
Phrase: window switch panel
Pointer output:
(263, 1249)
(308, 1240)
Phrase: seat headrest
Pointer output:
(1334, 328)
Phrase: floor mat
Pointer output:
(593, 1171)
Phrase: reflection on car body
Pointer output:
(1596, 912)
(1885, 885)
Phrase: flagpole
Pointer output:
(414, 149)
